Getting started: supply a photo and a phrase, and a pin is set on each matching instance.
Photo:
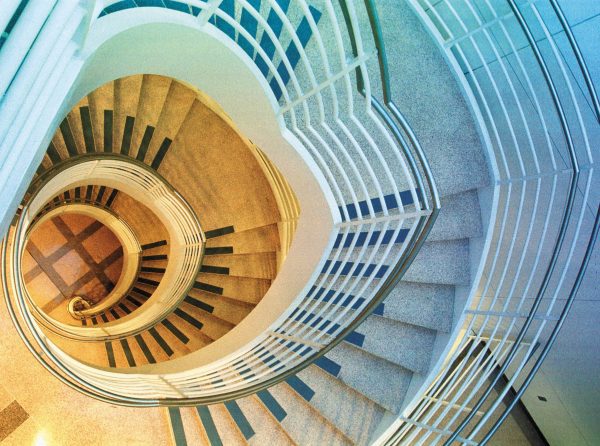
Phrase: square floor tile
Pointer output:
(76, 222)
(41, 289)
(70, 267)
(101, 244)
(47, 238)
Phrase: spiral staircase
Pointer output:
(353, 222)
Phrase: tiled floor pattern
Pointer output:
(12, 414)
(71, 255)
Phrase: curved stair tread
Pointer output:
(442, 262)
(249, 241)
(259, 265)
(459, 218)
(302, 421)
(333, 399)
(406, 345)
(153, 94)
(379, 380)
(266, 429)
(431, 99)
(126, 97)
(426, 305)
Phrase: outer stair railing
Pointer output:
(542, 130)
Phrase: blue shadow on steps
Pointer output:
(149, 282)
(111, 198)
(154, 257)
(127, 134)
(342, 300)
(141, 292)
(177, 426)
(209, 426)
(346, 268)
(208, 288)
(304, 33)
(328, 365)
(375, 236)
(101, 193)
(219, 232)
(272, 405)
(108, 131)
(228, 7)
(354, 337)
(53, 153)
(88, 134)
(240, 419)
(249, 23)
(145, 144)
(300, 387)
(134, 301)
(266, 43)
(67, 134)
(390, 200)
(217, 250)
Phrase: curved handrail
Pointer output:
(349, 156)
(187, 237)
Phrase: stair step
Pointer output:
(302, 422)
(429, 306)
(101, 101)
(425, 86)
(333, 398)
(443, 262)
(379, 380)
(153, 93)
(126, 98)
(230, 310)
(243, 288)
(176, 106)
(266, 429)
(411, 347)
(228, 431)
(260, 265)
(250, 241)
(176, 424)
(459, 218)
(195, 433)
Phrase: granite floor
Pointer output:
(71, 255)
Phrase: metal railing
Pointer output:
(129, 243)
(542, 129)
(186, 247)
(372, 162)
